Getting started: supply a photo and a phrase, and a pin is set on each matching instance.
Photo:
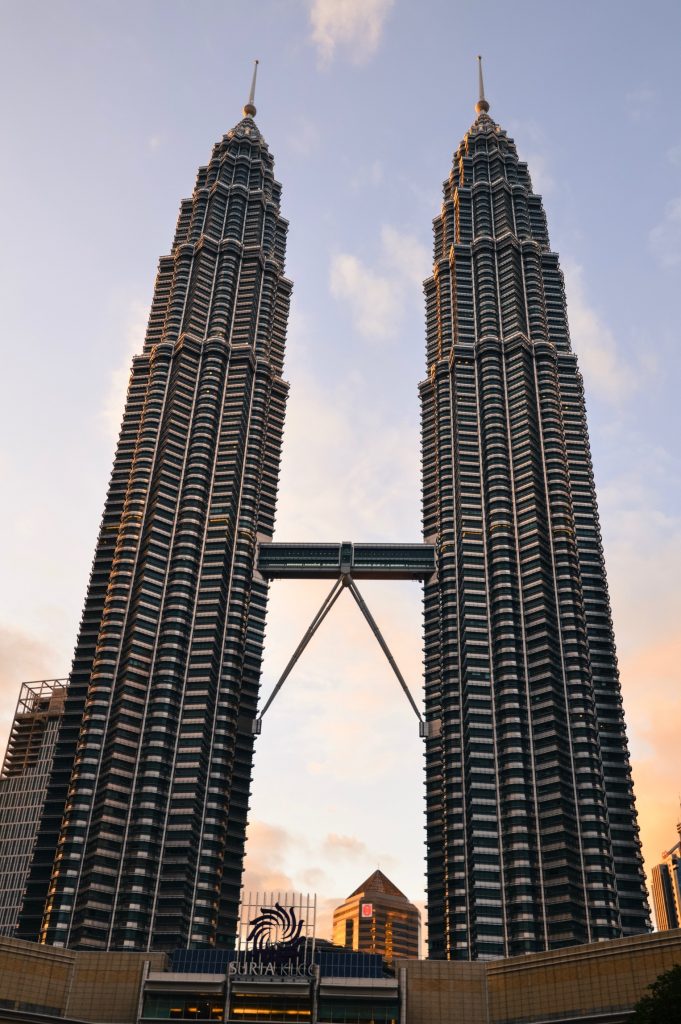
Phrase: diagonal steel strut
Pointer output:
(327, 605)
(343, 581)
(352, 587)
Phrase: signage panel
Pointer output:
(276, 936)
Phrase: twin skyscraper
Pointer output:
(532, 840)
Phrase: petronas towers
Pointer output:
(531, 824)
(531, 827)
(142, 837)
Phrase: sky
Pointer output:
(107, 110)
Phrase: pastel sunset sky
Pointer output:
(108, 108)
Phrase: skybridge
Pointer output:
(361, 561)
(345, 563)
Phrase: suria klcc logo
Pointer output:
(276, 928)
(276, 944)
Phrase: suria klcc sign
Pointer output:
(276, 936)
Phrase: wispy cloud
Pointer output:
(665, 237)
(267, 847)
(643, 552)
(353, 26)
(303, 137)
(674, 155)
(376, 296)
(639, 103)
(369, 175)
(112, 407)
(279, 860)
(343, 846)
(605, 370)
(373, 298)
(533, 149)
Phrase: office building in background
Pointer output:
(665, 886)
(378, 918)
(23, 784)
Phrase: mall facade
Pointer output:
(598, 983)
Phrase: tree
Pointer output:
(663, 1005)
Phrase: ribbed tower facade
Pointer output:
(142, 839)
(531, 824)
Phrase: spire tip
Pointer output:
(249, 108)
(482, 106)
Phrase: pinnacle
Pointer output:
(378, 883)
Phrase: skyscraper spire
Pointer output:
(249, 109)
(482, 106)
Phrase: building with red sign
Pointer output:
(378, 918)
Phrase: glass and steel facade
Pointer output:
(23, 784)
(342, 987)
(142, 840)
(665, 887)
(531, 825)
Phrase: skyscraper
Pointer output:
(531, 825)
(666, 887)
(23, 784)
(142, 840)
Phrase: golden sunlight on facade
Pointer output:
(378, 918)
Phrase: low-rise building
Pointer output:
(598, 983)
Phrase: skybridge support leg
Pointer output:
(326, 607)
(346, 580)
(352, 587)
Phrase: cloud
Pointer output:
(376, 297)
(639, 103)
(355, 26)
(674, 155)
(532, 150)
(373, 298)
(343, 846)
(665, 237)
(279, 861)
(642, 541)
(605, 371)
(543, 181)
(267, 847)
(111, 413)
(367, 175)
(303, 136)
